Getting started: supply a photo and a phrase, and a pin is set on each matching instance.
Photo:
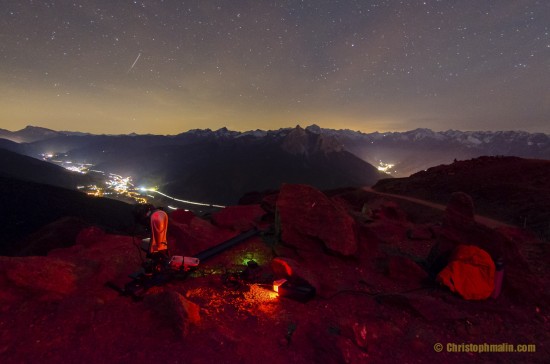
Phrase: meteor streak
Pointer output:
(133, 64)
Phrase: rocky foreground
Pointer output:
(372, 261)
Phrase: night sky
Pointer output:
(164, 67)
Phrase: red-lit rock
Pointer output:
(39, 274)
(175, 309)
(181, 216)
(89, 235)
(387, 230)
(351, 352)
(460, 209)
(61, 233)
(404, 269)
(196, 236)
(239, 218)
(434, 309)
(420, 232)
(391, 211)
(307, 213)
(360, 334)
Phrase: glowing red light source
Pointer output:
(278, 283)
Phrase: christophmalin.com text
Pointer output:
(484, 348)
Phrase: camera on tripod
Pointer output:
(158, 259)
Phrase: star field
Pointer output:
(167, 66)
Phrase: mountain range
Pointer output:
(407, 152)
(213, 166)
(219, 166)
(34, 133)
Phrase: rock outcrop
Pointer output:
(305, 213)
(240, 218)
(460, 209)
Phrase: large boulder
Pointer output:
(195, 236)
(89, 236)
(460, 209)
(176, 310)
(406, 270)
(305, 213)
(391, 211)
(40, 275)
(181, 216)
(470, 273)
(239, 218)
(61, 233)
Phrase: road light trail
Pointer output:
(184, 201)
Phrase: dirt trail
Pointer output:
(492, 223)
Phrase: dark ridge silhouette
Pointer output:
(26, 168)
(12, 146)
(512, 189)
(28, 206)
